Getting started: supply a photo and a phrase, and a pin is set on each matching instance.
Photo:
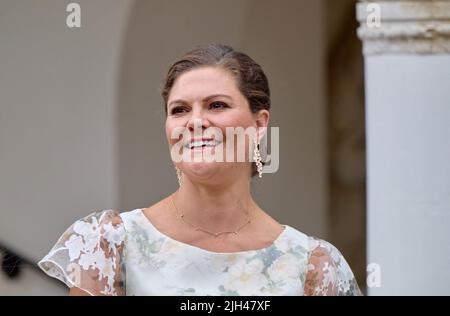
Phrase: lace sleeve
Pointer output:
(328, 273)
(88, 255)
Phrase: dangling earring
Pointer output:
(178, 175)
(257, 156)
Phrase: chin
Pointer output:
(201, 170)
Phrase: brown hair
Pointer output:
(250, 78)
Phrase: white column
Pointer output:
(407, 82)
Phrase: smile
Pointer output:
(202, 143)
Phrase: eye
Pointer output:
(218, 105)
(176, 110)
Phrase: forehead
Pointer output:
(204, 81)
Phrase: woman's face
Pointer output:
(203, 98)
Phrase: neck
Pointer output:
(215, 207)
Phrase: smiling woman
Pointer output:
(209, 237)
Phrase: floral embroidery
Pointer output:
(105, 246)
(88, 254)
(328, 272)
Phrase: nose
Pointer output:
(197, 121)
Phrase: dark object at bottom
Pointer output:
(11, 264)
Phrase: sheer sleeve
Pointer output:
(328, 273)
(88, 255)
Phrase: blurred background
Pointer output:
(82, 119)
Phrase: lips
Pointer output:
(200, 143)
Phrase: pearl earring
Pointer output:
(257, 156)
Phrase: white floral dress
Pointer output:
(111, 253)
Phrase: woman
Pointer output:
(209, 237)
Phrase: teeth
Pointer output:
(210, 143)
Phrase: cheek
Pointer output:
(169, 129)
(234, 120)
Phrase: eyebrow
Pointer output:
(204, 100)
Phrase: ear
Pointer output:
(262, 121)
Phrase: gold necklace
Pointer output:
(207, 231)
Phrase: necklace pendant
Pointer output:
(196, 228)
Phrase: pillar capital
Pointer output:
(404, 27)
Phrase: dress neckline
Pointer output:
(140, 212)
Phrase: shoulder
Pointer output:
(105, 224)
(102, 216)
(322, 248)
(295, 239)
(328, 272)
(312, 246)
(88, 254)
